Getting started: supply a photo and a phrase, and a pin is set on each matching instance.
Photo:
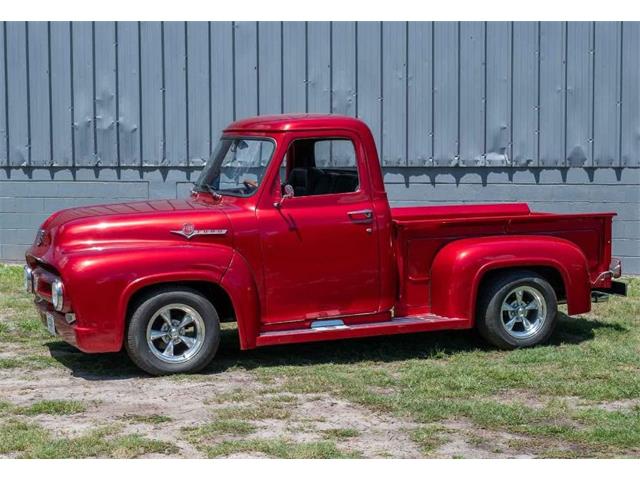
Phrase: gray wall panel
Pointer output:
(579, 149)
(343, 71)
(472, 93)
(606, 95)
(525, 99)
(446, 93)
(319, 67)
(269, 67)
(83, 93)
(62, 130)
(3, 98)
(420, 94)
(294, 66)
(553, 59)
(222, 85)
(175, 93)
(199, 103)
(246, 66)
(152, 94)
(105, 93)
(498, 119)
(369, 77)
(17, 93)
(394, 93)
(39, 101)
(630, 121)
(128, 101)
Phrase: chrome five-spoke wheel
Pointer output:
(524, 311)
(175, 333)
(517, 308)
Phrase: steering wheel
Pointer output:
(250, 184)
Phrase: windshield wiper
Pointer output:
(203, 187)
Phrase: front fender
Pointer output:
(101, 284)
(240, 284)
(459, 267)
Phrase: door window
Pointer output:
(322, 167)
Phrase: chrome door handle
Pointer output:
(361, 216)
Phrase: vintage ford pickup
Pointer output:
(288, 232)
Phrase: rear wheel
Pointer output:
(173, 330)
(517, 309)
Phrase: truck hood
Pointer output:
(134, 224)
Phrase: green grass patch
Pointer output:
(237, 395)
(213, 429)
(51, 407)
(429, 437)
(153, 419)
(278, 448)
(28, 440)
(340, 433)
(277, 407)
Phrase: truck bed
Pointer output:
(420, 232)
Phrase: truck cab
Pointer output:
(288, 232)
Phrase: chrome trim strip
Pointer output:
(322, 324)
(188, 233)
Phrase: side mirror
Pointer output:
(288, 193)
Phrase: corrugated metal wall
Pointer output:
(131, 94)
(462, 112)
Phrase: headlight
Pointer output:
(57, 295)
(28, 279)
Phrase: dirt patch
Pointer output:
(533, 400)
(192, 403)
(619, 405)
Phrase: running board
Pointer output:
(336, 329)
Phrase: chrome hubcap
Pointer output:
(175, 333)
(523, 312)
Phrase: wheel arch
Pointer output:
(210, 290)
(549, 273)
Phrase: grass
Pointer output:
(29, 440)
(278, 408)
(340, 433)
(577, 396)
(44, 407)
(52, 407)
(153, 419)
(278, 448)
(222, 426)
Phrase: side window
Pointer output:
(322, 167)
(335, 153)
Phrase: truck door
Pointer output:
(320, 250)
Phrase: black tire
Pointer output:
(493, 323)
(144, 312)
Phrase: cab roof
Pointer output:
(297, 121)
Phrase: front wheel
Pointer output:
(517, 309)
(173, 330)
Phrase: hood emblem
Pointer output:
(189, 230)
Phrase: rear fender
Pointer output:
(460, 266)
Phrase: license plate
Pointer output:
(51, 324)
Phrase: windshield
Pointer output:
(237, 166)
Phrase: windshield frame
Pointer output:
(198, 185)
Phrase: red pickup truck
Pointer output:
(288, 232)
